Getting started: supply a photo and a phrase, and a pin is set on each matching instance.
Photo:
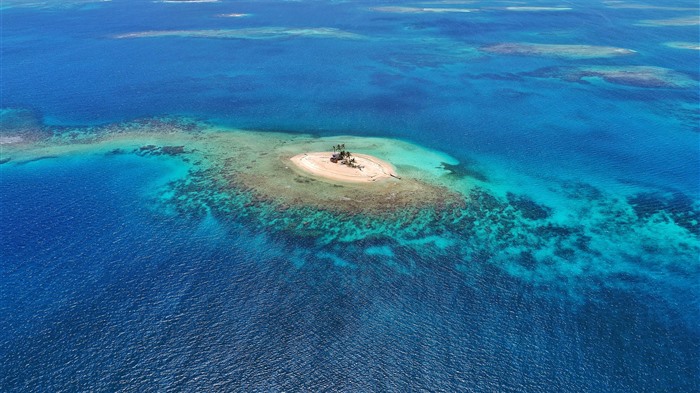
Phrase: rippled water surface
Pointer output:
(569, 130)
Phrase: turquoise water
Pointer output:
(573, 265)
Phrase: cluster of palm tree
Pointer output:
(345, 157)
(340, 148)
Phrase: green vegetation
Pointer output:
(344, 157)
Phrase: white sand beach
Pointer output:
(319, 164)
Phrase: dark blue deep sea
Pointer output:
(102, 290)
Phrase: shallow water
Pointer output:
(572, 266)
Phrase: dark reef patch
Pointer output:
(486, 201)
(552, 231)
(567, 74)
(634, 76)
(18, 120)
(503, 76)
(579, 190)
(153, 150)
(36, 159)
(511, 94)
(527, 260)
(679, 207)
(172, 150)
(529, 209)
(462, 170)
(305, 180)
(399, 100)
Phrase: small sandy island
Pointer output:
(369, 168)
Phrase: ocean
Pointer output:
(570, 130)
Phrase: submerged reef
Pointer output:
(692, 20)
(555, 50)
(448, 7)
(50, 4)
(253, 33)
(637, 76)
(676, 207)
(439, 207)
(421, 10)
(188, 1)
(537, 9)
(639, 6)
(683, 45)
(255, 162)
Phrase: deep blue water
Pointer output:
(102, 290)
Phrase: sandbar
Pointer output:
(319, 164)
